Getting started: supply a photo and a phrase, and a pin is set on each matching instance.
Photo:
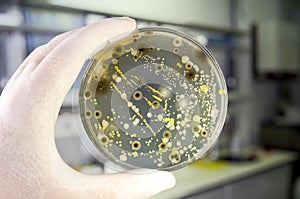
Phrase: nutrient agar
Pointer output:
(155, 99)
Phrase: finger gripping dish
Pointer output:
(155, 99)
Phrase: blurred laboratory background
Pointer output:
(257, 44)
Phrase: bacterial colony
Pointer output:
(153, 100)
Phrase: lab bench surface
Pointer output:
(222, 179)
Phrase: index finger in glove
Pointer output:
(55, 74)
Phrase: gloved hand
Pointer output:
(30, 166)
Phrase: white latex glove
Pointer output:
(30, 166)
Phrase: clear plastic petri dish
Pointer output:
(153, 99)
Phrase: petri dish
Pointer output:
(154, 98)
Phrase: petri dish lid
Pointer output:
(155, 98)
